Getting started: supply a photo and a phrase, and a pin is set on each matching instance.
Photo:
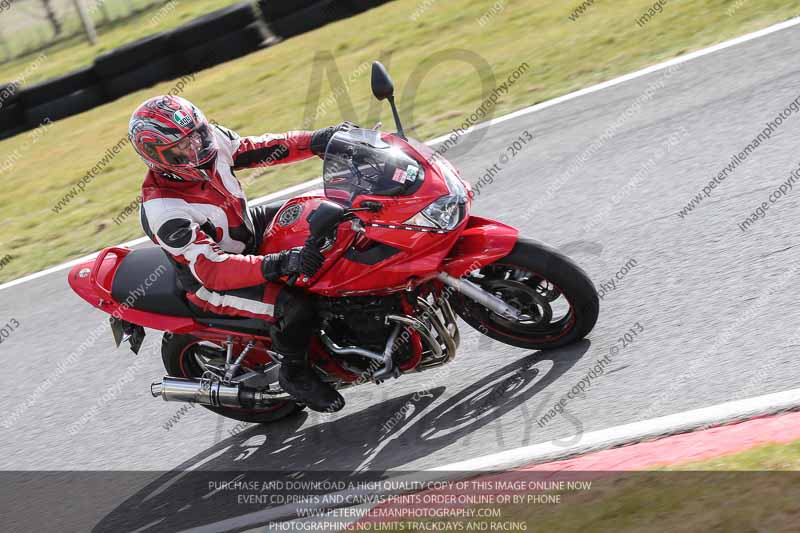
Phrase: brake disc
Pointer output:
(535, 306)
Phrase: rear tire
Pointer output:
(546, 264)
(175, 352)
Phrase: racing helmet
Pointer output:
(170, 134)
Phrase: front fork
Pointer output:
(483, 297)
(483, 242)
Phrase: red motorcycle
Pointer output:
(403, 258)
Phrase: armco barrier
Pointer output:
(224, 48)
(11, 111)
(55, 88)
(364, 5)
(140, 77)
(71, 104)
(213, 26)
(132, 56)
(214, 38)
(310, 18)
(276, 9)
(9, 93)
(12, 119)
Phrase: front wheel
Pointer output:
(558, 300)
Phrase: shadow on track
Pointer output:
(367, 443)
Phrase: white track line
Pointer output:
(542, 453)
(532, 109)
(634, 432)
(632, 76)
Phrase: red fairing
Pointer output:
(410, 256)
(80, 279)
(483, 242)
(286, 235)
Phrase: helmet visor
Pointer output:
(194, 150)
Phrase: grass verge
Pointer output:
(277, 88)
(755, 490)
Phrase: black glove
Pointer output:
(321, 138)
(284, 263)
(305, 260)
(311, 259)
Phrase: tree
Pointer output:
(86, 20)
(51, 16)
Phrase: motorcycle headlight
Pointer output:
(444, 213)
(448, 211)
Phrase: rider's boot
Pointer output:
(291, 336)
(306, 386)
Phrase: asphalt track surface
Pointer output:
(717, 305)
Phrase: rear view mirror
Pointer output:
(382, 85)
(383, 89)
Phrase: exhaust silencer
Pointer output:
(205, 392)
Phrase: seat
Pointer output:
(148, 280)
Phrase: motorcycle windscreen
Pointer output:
(359, 162)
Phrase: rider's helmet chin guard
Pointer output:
(171, 135)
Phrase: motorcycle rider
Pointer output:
(194, 208)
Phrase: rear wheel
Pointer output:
(187, 356)
(558, 300)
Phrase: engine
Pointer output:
(361, 322)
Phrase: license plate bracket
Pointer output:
(123, 330)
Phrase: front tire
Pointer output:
(179, 361)
(534, 278)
